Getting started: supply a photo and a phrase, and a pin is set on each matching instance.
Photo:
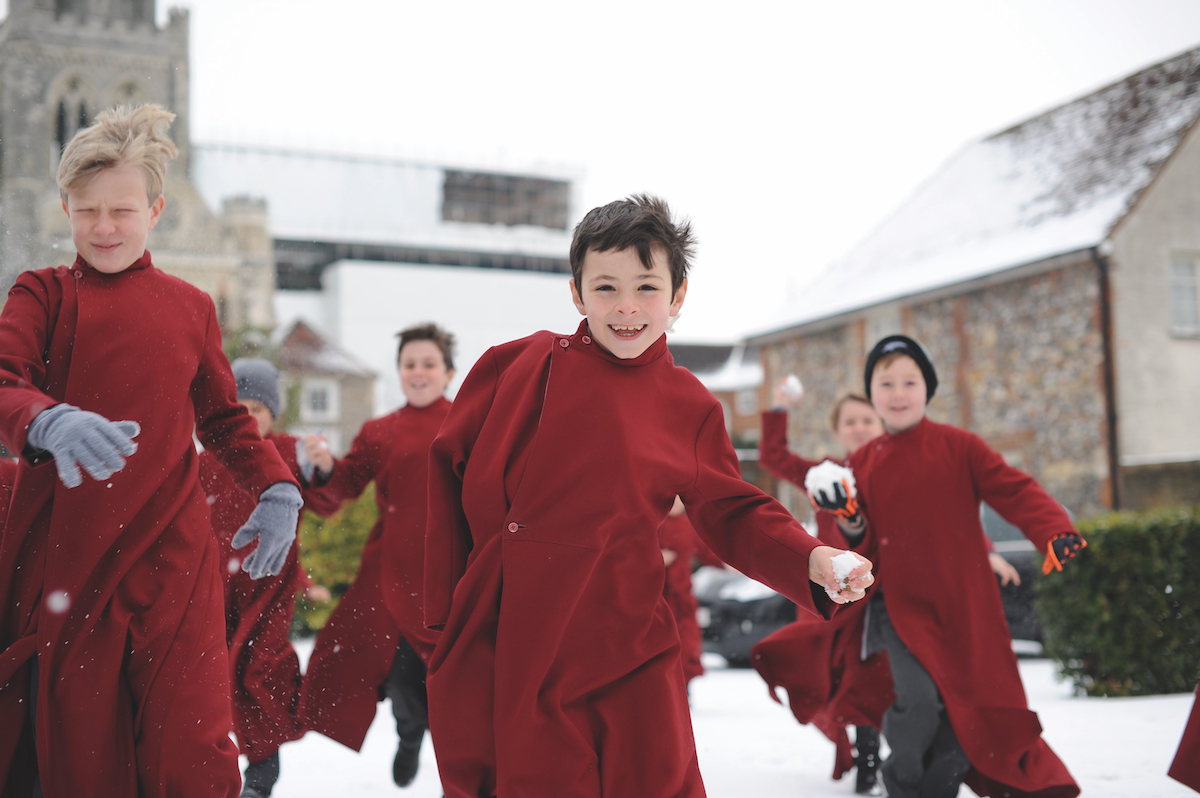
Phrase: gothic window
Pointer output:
(62, 7)
(83, 117)
(69, 102)
(1185, 298)
(60, 126)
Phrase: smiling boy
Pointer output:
(558, 671)
(375, 643)
(113, 667)
(960, 710)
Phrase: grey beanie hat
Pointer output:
(259, 380)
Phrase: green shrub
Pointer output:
(1123, 618)
(330, 549)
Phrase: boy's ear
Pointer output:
(677, 300)
(577, 299)
(156, 209)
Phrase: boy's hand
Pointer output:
(273, 523)
(79, 438)
(316, 447)
(1061, 549)
(841, 504)
(317, 594)
(820, 571)
(787, 392)
(1003, 569)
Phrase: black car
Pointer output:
(736, 611)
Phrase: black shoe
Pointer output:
(404, 767)
(261, 777)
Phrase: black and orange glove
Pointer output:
(1061, 549)
(842, 504)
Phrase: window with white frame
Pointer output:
(319, 401)
(1185, 299)
(746, 401)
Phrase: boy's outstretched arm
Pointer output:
(25, 327)
(755, 534)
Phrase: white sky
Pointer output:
(785, 130)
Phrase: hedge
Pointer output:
(1123, 617)
(330, 549)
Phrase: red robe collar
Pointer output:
(583, 338)
(141, 263)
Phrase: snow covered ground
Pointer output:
(750, 747)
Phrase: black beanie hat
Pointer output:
(258, 380)
(907, 346)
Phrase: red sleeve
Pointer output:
(25, 326)
(448, 539)
(1018, 497)
(352, 473)
(773, 452)
(746, 528)
(224, 427)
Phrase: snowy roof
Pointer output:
(742, 370)
(361, 199)
(1054, 184)
(305, 350)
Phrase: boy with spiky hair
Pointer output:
(960, 711)
(113, 667)
(558, 671)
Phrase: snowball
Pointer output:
(826, 475)
(58, 602)
(234, 565)
(793, 387)
(843, 564)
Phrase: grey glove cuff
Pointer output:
(39, 428)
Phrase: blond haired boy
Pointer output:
(113, 667)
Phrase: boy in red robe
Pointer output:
(263, 668)
(558, 671)
(375, 644)
(114, 586)
(960, 710)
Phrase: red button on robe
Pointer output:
(820, 664)
(354, 652)
(558, 671)
(920, 490)
(263, 669)
(133, 674)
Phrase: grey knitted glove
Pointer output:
(79, 438)
(273, 523)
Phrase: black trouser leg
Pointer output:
(33, 696)
(866, 740)
(926, 759)
(405, 686)
(262, 775)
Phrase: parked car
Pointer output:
(736, 611)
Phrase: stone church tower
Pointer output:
(63, 61)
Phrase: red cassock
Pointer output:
(920, 490)
(130, 639)
(677, 534)
(263, 668)
(558, 670)
(8, 475)
(354, 651)
(1185, 768)
(819, 664)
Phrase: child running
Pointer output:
(960, 711)
(264, 670)
(111, 599)
(375, 644)
(558, 671)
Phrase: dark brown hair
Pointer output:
(429, 332)
(840, 403)
(641, 222)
